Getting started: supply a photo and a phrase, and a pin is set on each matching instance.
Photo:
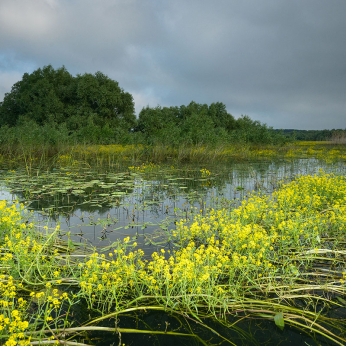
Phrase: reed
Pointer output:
(119, 156)
(339, 138)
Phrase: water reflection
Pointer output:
(145, 207)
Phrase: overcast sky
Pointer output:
(282, 62)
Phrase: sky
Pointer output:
(282, 62)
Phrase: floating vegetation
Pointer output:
(71, 187)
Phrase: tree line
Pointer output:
(314, 135)
(52, 105)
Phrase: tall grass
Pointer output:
(339, 138)
(120, 156)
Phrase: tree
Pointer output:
(194, 123)
(159, 124)
(35, 96)
(55, 95)
(218, 113)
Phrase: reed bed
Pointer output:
(339, 138)
(111, 155)
(120, 156)
(279, 257)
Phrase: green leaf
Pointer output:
(77, 192)
(70, 244)
(343, 301)
(279, 320)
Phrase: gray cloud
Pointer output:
(280, 62)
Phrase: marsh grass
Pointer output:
(279, 257)
(118, 156)
(339, 138)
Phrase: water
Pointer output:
(149, 204)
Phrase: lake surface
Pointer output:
(102, 207)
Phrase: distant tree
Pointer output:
(55, 95)
(194, 123)
(36, 96)
(159, 124)
(218, 113)
(310, 135)
(197, 125)
(253, 131)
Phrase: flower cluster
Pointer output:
(205, 173)
(145, 167)
(223, 253)
(12, 313)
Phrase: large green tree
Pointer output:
(55, 95)
(194, 123)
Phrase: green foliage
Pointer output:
(314, 135)
(51, 106)
(55, 95)
(29, 132)
(253, 131)
(192, 124)
(159, 124)
(201, 124)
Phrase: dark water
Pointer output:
(150, 204)
(236, 329)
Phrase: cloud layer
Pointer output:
(280, 62)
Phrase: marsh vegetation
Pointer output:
(94, 240)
